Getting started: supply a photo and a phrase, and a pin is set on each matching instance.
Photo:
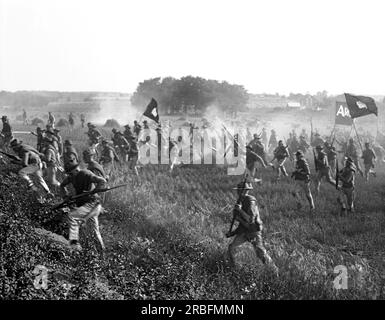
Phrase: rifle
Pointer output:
(11, 156)
(71, 200)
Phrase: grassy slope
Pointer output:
(165, 240)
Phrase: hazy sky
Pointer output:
(267, 46)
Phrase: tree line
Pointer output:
(190, 93)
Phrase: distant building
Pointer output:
(294, 105)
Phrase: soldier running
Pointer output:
(32, 165)
(351, 152)
(250, 227)
(87, 208)
(347, 178)
(52, 162)
(301, 174)
(108, 157)
(280, 154)
(322, 168)
(369, 157)
(6, 133)
(331, 153)
(51, 120)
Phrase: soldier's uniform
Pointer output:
(122, 144)
(88, 208)
(369, 157)
(32, 165)
(351, 152)
(133, 155)
(51, 120)
(317, 140)
(127, 133)
(303, 145)
(52, 164)
(6, 133)
(71, 120)
(246, 212)
(59, 141)
(331, 154)
(82, 119)
(264, 137)
(107, 158)
(323, 168)
(347, 178)
(137, 128)
(281, 154)
(251, 164)
(40, 138)
(93, 134)
(302, 176)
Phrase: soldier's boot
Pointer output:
(311, 202)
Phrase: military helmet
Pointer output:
(244, 185)
(71, 162)
(4, 118)
(319, 147)
(367, 144)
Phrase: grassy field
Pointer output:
(165, 240)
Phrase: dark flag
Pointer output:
(152, 111)
(360, 105)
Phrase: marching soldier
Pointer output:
(302, 144)
(6, 133)
(317, 140)
(272, 141)
(51, 161)
(32, 165)
(331, 154)
(25, 122)
(40, 138)
(281, 154)
(71, 120)
(322, 168)
(133, 155)
(87, 208)
(347, 178)
(122, 144)
(259, 148)
(264, 137)
(251, 165)
(82, 119)
(351, 152)
(51, 120)
(137, 128)
(250, 227)
(127, 133)
(93, 134)
(59, 141)
(108, 157)
(369, 159)
(301, 174)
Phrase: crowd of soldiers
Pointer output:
(52, 157)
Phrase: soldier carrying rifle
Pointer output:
(322, 168)
(6, 133)
(250, 226)
(347, 178)
(301, 175)
(86, 208)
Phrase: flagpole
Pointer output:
(359, 142)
